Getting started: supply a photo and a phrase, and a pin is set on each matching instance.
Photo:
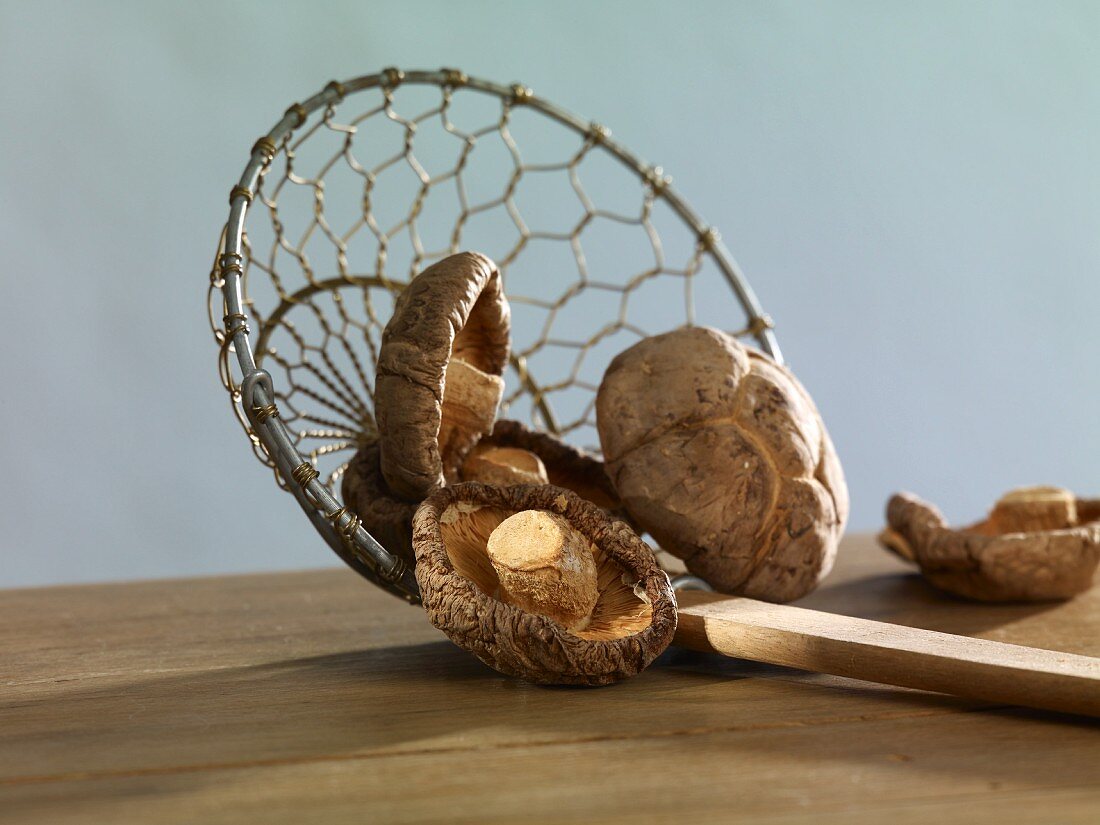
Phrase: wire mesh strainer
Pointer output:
(367, 182)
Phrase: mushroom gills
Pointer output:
(619, 610)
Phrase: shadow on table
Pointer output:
(906, 598)
(142, 733)
(419, 697)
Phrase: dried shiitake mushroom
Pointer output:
(721, 455)
(518, 593)
(385, 516)
(438, 382)
(562, 465)
(1038, 544)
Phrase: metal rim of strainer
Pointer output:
(340, 527)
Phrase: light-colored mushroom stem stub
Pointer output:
(1028, 509)
(545, 567)
(562, 464)
(504, 466)
(471, 398)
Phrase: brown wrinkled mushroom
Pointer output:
(1030, 509)
(438, 382)
(385, 516)
(721, 455)
(1038, 544)
(631, 623)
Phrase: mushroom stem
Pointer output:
(470, 401)
(503, 466)
(1031, 509)
(545, 566)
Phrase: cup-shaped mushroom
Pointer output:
(527, 450)
(539, 583)
(1038, 544)
(721, 455)
(438, 382)
(388, 518)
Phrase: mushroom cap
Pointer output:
(384, 515)
(566, 466)
(634, 618)
(727, 463)
(453, 309)
(980, 562)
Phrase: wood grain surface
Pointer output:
(888, 654)
(312, 696)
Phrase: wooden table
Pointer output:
(312, 696)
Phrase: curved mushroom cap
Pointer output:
(452, 315)
(721, 455)
(635, 613)
(983, 562)
(566, 466)
(384, 516)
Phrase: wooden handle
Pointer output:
(888, 654)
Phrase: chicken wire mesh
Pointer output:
(360, 187)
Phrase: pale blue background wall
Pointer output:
(912, 188)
